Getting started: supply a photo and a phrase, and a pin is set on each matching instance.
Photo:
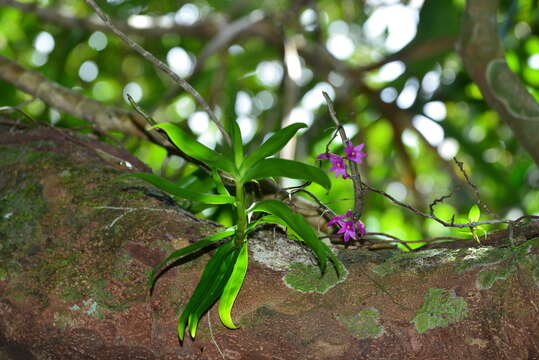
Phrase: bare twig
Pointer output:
(460, 165)
(439, 200)
(443, 222)
(163, 67)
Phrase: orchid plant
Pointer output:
(224, 274)
(348, 228)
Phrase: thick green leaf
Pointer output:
(215, 290)
(272, 219)
(297, 223)
(221, 189)
(195, 149)
(233, 287)
(211, 272)
(286, 168)
(200, 244)
(237, 143)
(175, 190)
(474, 213)
(272, 145)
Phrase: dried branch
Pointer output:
(161, 66)
(408, 54)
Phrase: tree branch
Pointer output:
(69, 101)
(482, 53)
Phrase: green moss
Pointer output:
(20, 154)
(3, 273)
(307, 278)
(20, 211)
(104, 298)
(365, 324)
(440, 308)
(534, 261)
(415, 261)
(121, 265)
(64, 319)
(71, 295)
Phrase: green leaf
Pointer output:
(286, 168)
(272, 145)
(175, 190)
(200, 244)
(233, 287)
(272, 219)
(215, 290)
(221, 189)
(237, 143)
(474, 213)
(211, 272)
(195, 149)
(300, 226)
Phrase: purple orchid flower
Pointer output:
(339, 218)
(354, 153)
(361, 227)
(348, 229)
(337, 162)
(339, 167)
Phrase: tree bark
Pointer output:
(77, 242)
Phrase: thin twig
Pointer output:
(443, 222)
(460, 165)
(163, 67)
(439, 200)
(356, 177)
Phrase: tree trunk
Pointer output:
(77, 242)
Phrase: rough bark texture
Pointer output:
(73, 275)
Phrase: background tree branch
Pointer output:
(483, 56)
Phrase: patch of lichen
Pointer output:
(482, 256)
(440, 308)
(415, 261)
(500, 262)
(363, 325)
(308, 278)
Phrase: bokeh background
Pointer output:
(390, 66)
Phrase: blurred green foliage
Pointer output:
(410, 139)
